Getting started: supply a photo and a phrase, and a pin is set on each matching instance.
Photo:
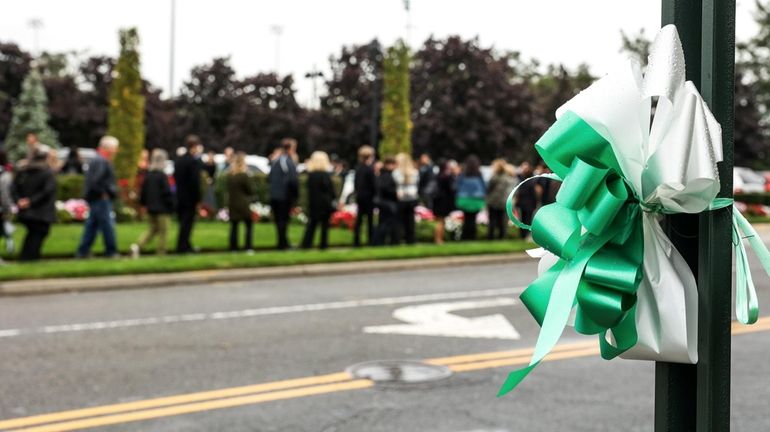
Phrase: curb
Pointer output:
(156, 280)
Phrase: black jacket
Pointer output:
(37, 183)
(320, 192)
(99, 182)
(156, 193)
(187, 176)
(365, 184)
(283, 179)
(387, 197)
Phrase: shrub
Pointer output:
(753, 198)
(69, 186)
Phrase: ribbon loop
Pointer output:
(580, 184)
(557, 229)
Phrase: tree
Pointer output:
(469, 100)
(396, 123)
(351, 107)
(14, 66)
(265, 110)
(637, 45)
(556, 86)
(751, 142)
(125, 118)
(30, 115)
(207, 102)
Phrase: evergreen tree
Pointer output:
(395, 123)
(30, 115)
(125, 118)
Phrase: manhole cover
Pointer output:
(399, 371)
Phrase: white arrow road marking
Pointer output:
(251, 313)
(437, 320)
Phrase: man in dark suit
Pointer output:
(365, 189)
(187, 176)
(283, 189)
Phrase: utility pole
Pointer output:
(375, 51)
(314, 75)
(408, 9)
(172, 51)
(277, 31)
(697, 397)
(36, 24)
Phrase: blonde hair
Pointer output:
(319, 161)
(498, 166)
(158, 160)
(238, 164)
(405, 164)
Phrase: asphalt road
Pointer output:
(64, 353)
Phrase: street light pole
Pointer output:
(314, 75)
(374, 127)
(36, 24)
(277, 31)
(172, 50)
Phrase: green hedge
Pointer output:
(69, 186)
(754, 198)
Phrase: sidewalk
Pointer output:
(156, 280)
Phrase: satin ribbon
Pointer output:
(595, 229)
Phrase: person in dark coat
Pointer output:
(34, 191)
(187, 177)
(241, 192)
(73, 164)
(387, 204)
(320, 192)
(365, 189)
(100, 189)
(471, 191)
(283, 189)
(526, 198)
(158, 200)
(500, 185)
(444, 198)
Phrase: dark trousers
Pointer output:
(387, 227)
(234, 234)
(365, 210)
(525, 215)
(312, 224)
(406, 221)
(33, 240)
(498, 224)
(186, 217)
(281, 211)
(469, 226)
(100, 219)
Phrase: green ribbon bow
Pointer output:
(595, 228)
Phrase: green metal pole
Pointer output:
(697, 397)
(675, 383)
(715, 278)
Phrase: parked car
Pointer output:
(746, 180)
(86, 155)
(766, 175)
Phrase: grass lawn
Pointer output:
(209, 261)
(208, 236)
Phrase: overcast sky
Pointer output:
(565, 31)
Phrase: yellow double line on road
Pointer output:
(281, 390)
